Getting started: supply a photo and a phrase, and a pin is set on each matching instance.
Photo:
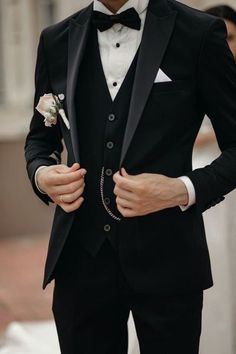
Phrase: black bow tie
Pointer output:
(128, 18)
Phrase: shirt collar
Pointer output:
(139, 5)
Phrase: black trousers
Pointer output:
(91, 306)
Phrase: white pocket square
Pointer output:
(161, 77)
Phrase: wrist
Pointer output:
(39, 178)
(181, 196)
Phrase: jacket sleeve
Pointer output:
(43, 145)
(217, 91)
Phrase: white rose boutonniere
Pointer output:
(50, 106)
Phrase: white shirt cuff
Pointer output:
(191, 193)
(36, 180)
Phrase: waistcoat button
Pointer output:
(111, 117)
(110, 145)
(107, 201)
(107, 228)
(108, 172)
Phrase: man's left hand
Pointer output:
(147, 193)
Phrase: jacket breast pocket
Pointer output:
(169, 86)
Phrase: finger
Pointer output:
(123, 193)
(82, 172)
(66, 178)
(124, 182)
(66, 169)
(123, 172)
(68, 188)
(68, 208)
(127, 213)
(75, 167)
(61, 169)
(124, 203)
(115, 176)
(70, 198)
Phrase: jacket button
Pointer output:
(107, 201)
(108, 172)
(110, 145)
(107, 228)
(111, 117)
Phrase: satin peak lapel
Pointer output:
(78, 34)
(156, 36)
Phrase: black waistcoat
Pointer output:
(101, 124)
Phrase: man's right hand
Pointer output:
(64, 185)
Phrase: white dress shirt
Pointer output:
(118, 46)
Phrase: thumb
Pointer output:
(65, 169)
(123, 172)
(74, 167)
(62, 168)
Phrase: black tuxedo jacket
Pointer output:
(165, 251)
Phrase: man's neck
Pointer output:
(113, 5)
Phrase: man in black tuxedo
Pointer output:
(138, 77)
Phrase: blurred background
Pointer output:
(25, 222)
